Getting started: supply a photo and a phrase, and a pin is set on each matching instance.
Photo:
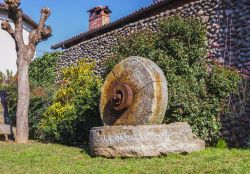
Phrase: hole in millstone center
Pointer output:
(118, 97)
(122, 97)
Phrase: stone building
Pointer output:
(7, 44)
(227, 23)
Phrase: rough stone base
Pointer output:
(143, 140)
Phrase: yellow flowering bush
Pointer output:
(74, 109)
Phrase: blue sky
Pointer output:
(70, 18)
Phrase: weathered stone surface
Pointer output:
(148, 94)
(5, 129)
(143, 140)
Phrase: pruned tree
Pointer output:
(25, 53)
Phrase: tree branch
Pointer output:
(5, 25)
(45, 13)
(16, 15)
(42, 32)
(46, 32)
(12, 3)
(13, 9)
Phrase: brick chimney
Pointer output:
(99, 16)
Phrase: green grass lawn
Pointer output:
(37, 158)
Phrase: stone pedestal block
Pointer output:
(7, 130)
(143, 140)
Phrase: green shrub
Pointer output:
(42, 76)
(42, 70)
(74, 109)
(8, 83)
(198, 88)
(40, 100)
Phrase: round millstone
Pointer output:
(143, 140)
(134, 93)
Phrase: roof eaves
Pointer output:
(26, 18)
(133, 16)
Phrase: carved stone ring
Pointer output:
(122, 97)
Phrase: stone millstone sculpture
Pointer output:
(132, 106)
(134, 93)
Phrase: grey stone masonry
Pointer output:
(227, 23)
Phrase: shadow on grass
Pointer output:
(84, 149)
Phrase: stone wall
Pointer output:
(227, 23)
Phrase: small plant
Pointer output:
(221, 144)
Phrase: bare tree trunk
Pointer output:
(22, 123)
(25, 53)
